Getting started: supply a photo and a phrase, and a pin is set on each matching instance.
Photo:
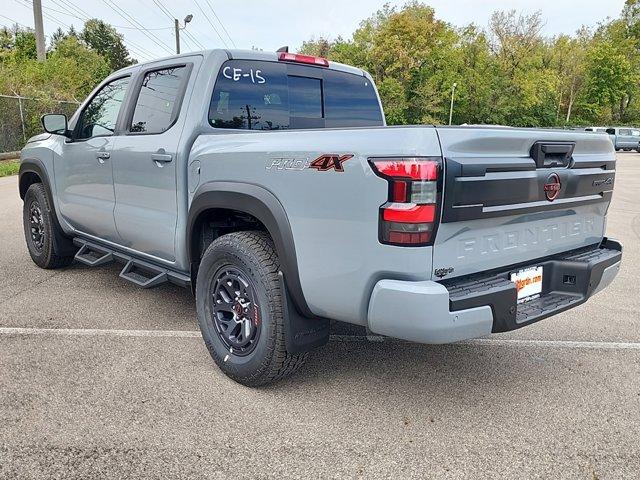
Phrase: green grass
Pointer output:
(9, 167)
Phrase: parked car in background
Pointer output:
(623, 138)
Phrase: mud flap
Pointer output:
(301, 333)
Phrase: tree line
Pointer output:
(507, 73)
(76, 61)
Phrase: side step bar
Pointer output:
(93, 255)
(141, 273)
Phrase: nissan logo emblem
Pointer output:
(552, 187)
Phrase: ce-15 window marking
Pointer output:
(237, 74)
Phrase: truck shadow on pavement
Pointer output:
(375, 366)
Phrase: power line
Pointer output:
(88, 17)
(65, 6)
(73, 6)
(141, 51)
(28, 4)
(132, 21)
(14, 22)
(211, 23)
(220, 22)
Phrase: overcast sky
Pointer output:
(269, 24)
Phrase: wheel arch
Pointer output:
(260, 204)
(33, 171)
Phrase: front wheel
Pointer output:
(40, 229)
(240, 309)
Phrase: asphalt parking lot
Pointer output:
(559, 399)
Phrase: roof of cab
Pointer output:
(242, 55)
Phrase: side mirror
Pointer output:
(55, 123)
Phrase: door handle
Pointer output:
(161, 157)
(102, 156)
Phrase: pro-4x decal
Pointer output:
(330, 161)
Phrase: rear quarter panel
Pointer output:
(333, 215)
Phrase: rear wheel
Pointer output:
(240, 308)
(40, 229)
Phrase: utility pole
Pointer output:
(37, 20)
(177, 26)
(453, 90)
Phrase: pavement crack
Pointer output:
(28, 289)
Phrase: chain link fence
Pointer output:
(20, 118)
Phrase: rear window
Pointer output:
(625, 131)
(258, 95)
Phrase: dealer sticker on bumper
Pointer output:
(528, 283)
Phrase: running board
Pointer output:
(141, 273)
(93, 255)
(144, 275)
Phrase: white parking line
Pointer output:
(93, 332)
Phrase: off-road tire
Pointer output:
(253, 254)
(44, 252)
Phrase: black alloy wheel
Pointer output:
(236, 313)
(36, 225)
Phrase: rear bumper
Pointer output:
(477, 305)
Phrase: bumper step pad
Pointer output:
(551, 303)
(569, 279)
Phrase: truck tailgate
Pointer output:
(515, 195)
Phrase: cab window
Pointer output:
(99, 117)
(157, 103)
(261, 95)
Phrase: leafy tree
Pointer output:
(6, 39)
(106, 40)
(56, 37)
(25, 44)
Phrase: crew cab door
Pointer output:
(145, 160)
(84, 170)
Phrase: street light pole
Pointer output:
(176, 24)
(453, 90)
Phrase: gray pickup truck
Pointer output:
(270, 185)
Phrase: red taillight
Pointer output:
(412, 168)
(409, 216)
(308, 59)
(409, 213)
